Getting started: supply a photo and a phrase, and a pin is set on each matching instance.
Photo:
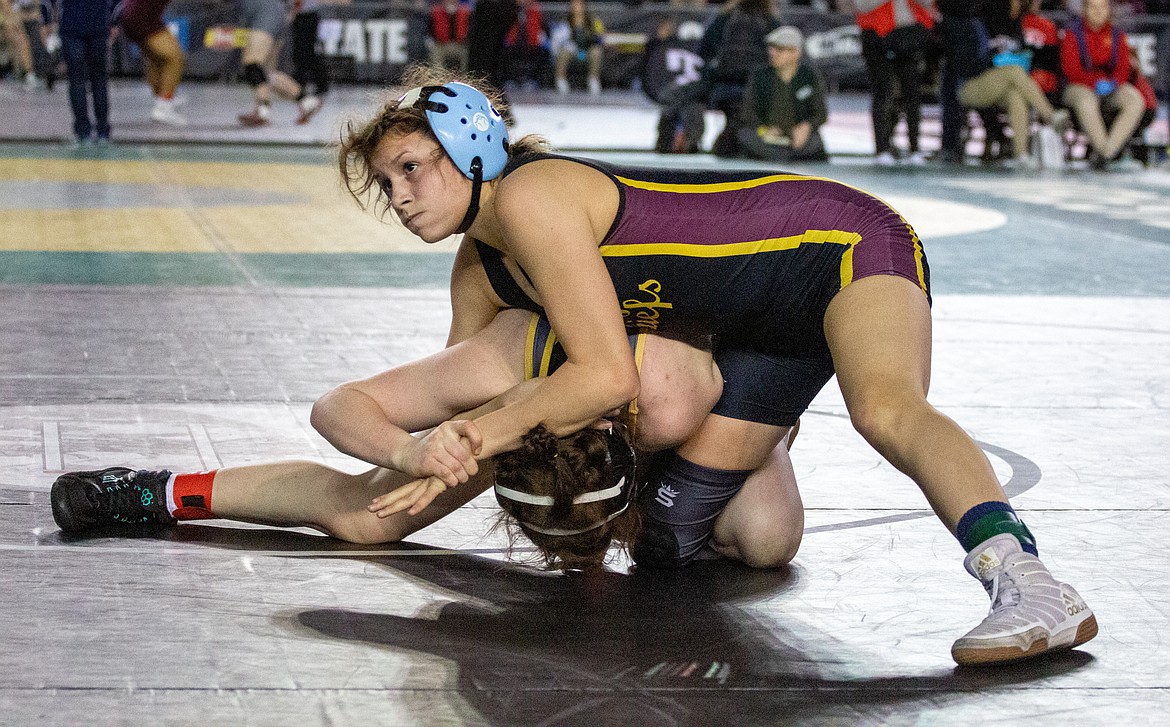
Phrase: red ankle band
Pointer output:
(192, 496)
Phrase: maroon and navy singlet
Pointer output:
(751, 257)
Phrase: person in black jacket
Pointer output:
(784, 104)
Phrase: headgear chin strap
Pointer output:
(621, 460)
(473, 206)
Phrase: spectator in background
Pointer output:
(450, 24)
(308, 64)
(990, 66)
(526, 56)
(784, 104)
(1043, 39)
(1094, 56)
(84, 28)
(18, 45)
(142, 23)
(1142, 84)
(895, 35)
(267, 21)
(583, 33)
(490, 22)
(735, 43)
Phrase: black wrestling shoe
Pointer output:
(113, 496)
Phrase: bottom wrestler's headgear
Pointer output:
(621, 463)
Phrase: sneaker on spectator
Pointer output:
(1061, 121)
(1023, 163)
(309, 106)
(916, 159)
(260, 116)
(594, 86)
(562, 86)
(1124, 164)
(33, 82)
(885, 159)
(1031, 612)
(164, 112)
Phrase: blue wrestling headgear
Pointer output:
(468, 128)
(622, 465)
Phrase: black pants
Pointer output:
(85, 61)
(888, 60)
(308, 65)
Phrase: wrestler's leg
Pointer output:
(690, 489)
(256, 59)
(764, 523)
(879, 332)
(302, 493)
(167, 55)
(878, 329)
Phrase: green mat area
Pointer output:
(397, 270)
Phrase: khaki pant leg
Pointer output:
(1087, 108)
(1128, 101)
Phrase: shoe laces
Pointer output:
(120, 499)
(1005, 595)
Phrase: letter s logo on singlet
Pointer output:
(666, 496)
(643, 315)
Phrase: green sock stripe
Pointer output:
(999, 523)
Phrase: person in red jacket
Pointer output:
(1094, 56)
(526, 47)
(1043, 38)
(450, 21)
(895, 35)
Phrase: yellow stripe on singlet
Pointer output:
(546, 356)
(716, 186)
(732, 249)
(529, 344)
(638, 349)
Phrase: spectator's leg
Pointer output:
(99, 81)
(813, 149)
(564, 55)
(954, 114)
(1130, 106)
(1030, 92)
(909, 71)
(881, 83)
(1018, 120)
(594, 63)
(73, 48)
(1085, 105)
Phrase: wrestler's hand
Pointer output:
(447, 453)
(413, 497)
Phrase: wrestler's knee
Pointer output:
(761, 541)
(881, 416)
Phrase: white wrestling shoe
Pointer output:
(1031, 612)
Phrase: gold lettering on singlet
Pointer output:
(643, 314)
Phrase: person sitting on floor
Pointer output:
(784, 104)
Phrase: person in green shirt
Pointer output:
(784, 104)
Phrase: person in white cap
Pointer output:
(784, 104)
